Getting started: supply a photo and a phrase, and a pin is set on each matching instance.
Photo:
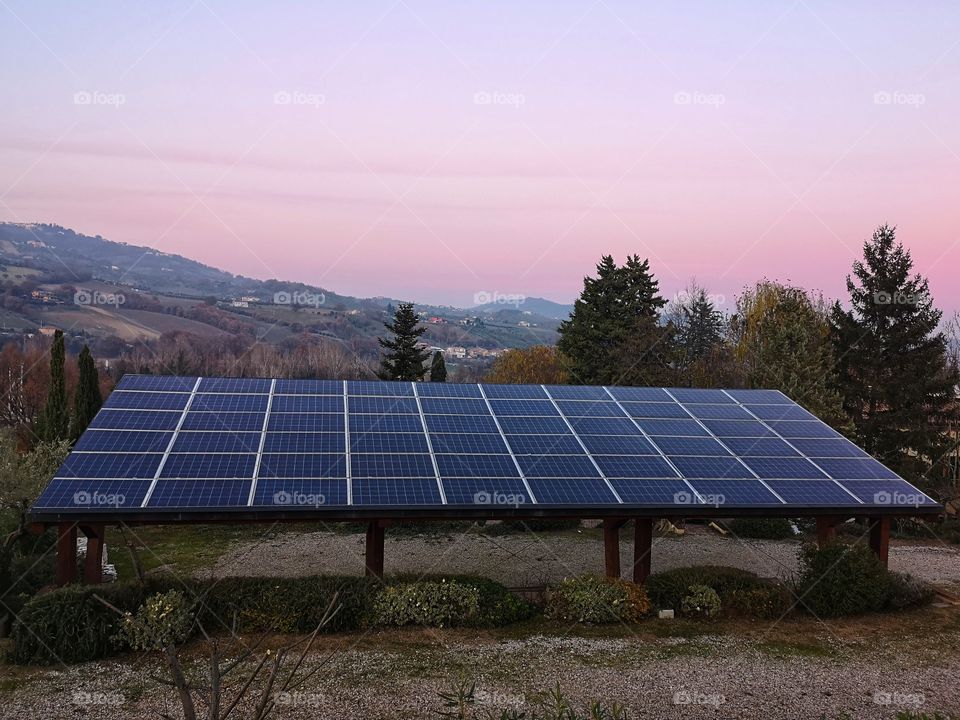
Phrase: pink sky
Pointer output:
(433, 151)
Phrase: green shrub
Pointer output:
(701, 601)
(667, 589)
(841, 579)
(597, 599)
(428, 603)
(769, 602)
(907, 591)
(164, 619)
(761, 528)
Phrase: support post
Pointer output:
(826, 529)
(642, 546)
(611, 547)
(66, 553)
(93, 563)
(880, 538)
(374, 554)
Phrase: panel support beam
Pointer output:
(880, 538)
(374, 551)
(611, 546)
(642, 547)
(826, 529)
(66, 553)
(93, 563)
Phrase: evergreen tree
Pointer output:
(402, 358)
(613, 336)
(54, 420)
(438, 368)
(894, 375)
(87, 400)
(699, 334)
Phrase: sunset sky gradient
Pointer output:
(435, 150)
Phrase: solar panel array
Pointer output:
(179, 444)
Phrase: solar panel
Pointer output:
(300, 445)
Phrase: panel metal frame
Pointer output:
(173, 439)
(433, 455)
(516, 463)
(263, 440)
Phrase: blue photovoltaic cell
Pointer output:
(780, 412)
(774, 397)
(223, 422)
(209, 493)
(856, 469)
(642, 394)
(572, 491)
(769, 446)
(634, 466)
(234, 385)
(534, 425)
(389, 443)
(654, 410)
(783, 467)
(495, 492)
(307, 404)
(734, 492)
(719, 412)
(308, 387)
(467, 443)
(123, 441)
(690, 446)
(410, 492)
(534, 392)
(109, 465)
(837, 447)
(164, 383)
(221, 402)
(650, 491)
(454, 406)
(381, 405)
(92, 494)
(461, 423)
(812, 492)
(379, 387)
(738, 428)
(557, 466)
(697, 395)
(802, 429)
(476, 466)
(617, 445)
(312, 442)
(578, 392)
(454, 390)
(146, 401)
(710, 467)
(540, 408)
(380, 423)
(135, 420)
(604, 426)
(672, 427)
(316, 465)
(544, 445)
(219, 442)
(209, 465)
(390, 466)
(300, 494)
(582, 408)
(308, 422)
(887, 492)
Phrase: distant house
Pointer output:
(456, 351)
(240, 304)
(524, 323)
(249, 299)
(48, 330)
(436, 320)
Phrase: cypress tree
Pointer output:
(54, 420)
(402, 357)
(88, 399)
(438, 368)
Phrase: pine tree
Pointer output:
(613, 336)
(87, 400)
(699, 329)
(54, 420)
(894, 375)
(438, 368)
(402, 358)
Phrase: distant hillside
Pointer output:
(534, 305)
